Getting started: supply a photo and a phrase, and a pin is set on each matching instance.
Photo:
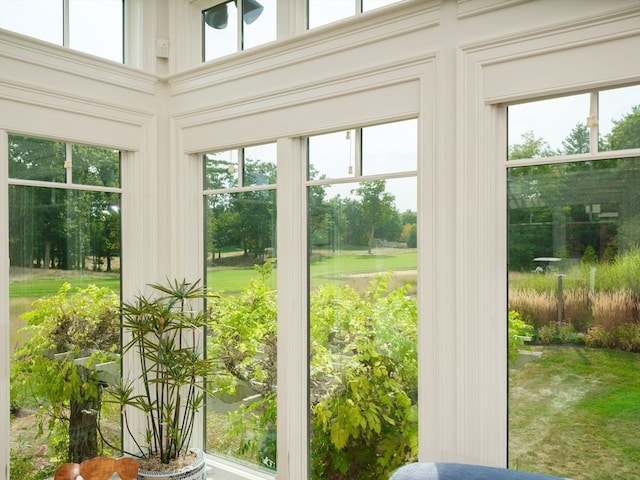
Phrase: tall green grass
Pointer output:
(621, 274)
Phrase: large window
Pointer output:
(233, 26)
(240, 253)
(94, 27)
(64, 250)
(362, 214)
(574, 294)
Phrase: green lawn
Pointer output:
(575, 412)
(42, 287)
(323, 268)
(28, 285)
(24, 289)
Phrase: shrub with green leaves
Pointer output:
(67, 395)
(518, 331)
(363, 376)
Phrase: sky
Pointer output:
(554, 119)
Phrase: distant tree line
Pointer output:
(53, 226)
(247, 220)
(561, 210)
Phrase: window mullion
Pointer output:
(593, 123)
(65, 23)
(68, 163)
(240, 13)
(293, 365)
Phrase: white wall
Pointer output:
(450, 64)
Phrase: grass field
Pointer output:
(29, 285)
(575, 412)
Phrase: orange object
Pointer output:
(99, 468)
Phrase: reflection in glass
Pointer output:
(260, 165)
(363, 330)
(64, 251)
(221, 170)
(36, 159)
(97, 28)
(619, 112)
(363, 311)
(549, 127)
(95, 166)
(240, 251)
(574, 264)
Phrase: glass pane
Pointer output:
(221, 170)
(240, 250)
(388, 148)
(40, 19)
(220, 28)
(96, 27)
(260, 165)
(619, 113)
(260, 22)
(574, 336)
(332, 155)
(363, 328)
(96, 166)
(373, 4)
(64, 250)
(36, 159)
(549, 127)
(322, 12)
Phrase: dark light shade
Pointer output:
(218, 17)
(251, 10)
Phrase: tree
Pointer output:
(58, 228)
(626, 131)
(531, 147)
(69, 395)
(577, 141)
(376, 207)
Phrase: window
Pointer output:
(362, 269)
(240, 253)
(92, 27)
(573, 185)
(230, 27)
(64, 249)
(322, 12)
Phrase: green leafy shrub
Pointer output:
(589, 256)
(628, 337)
(363, 385)
(518, 329)
(364, 408)
(559, 333)
(67, 395)
(598, 337)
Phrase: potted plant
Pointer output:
(166, 332)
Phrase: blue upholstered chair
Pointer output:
(459, 471)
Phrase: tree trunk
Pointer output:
(83, 425)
